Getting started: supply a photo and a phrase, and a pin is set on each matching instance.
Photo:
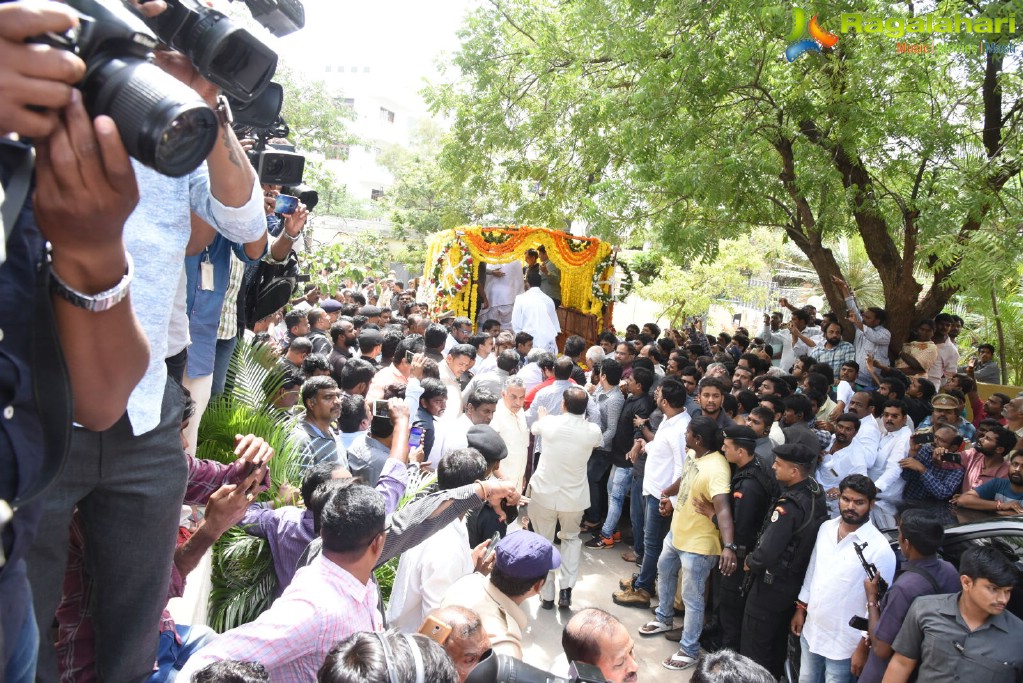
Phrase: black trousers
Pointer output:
(731, 604)
(765, 625)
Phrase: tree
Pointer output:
(425, 196)
(683, 117)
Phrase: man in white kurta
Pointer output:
(558, 489)
(504, 282)
(534, 313)
(428, 570)
(510, 423)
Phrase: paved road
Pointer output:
(599, 573)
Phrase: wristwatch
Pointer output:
(95, 303)
(223, 111)
(731, 546)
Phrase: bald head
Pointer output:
(595, 637)
(467, 642)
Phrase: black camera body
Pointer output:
(280, 17)
(163, 123)
(276, 163)
(223, 52)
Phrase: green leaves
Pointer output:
(684, 119)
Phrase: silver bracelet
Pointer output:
(95, 303)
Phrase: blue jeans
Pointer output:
(171, 657)
(694, 571)
(818, 669)
(654, 528)
(225, 349)
(620, 483)
(638, 512)
(21, 665)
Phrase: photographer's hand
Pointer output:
(35, 79)
(85, 191)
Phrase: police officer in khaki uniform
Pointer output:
(778, 563)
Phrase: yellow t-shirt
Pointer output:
(704, 477)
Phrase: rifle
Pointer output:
(871, 569)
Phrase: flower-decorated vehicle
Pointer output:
(589, 287)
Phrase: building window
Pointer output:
(328, 68)
(386, 115)
(365, 69)
(376, 194)
(348, 102)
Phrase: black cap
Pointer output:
(373, 336)
(795, 453)
(741, 433)
(488, 442)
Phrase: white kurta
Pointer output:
(534, 313)
(501, 292)
(513, 430)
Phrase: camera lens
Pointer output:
(163, 123)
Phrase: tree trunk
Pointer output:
(1001, 336)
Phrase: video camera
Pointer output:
(277, 163)
(163, 123)
(498, 668)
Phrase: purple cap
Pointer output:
(330, 305)
(526, 555)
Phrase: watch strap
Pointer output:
(95, 303)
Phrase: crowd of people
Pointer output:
(747, 477)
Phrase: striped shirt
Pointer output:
(228, 328)
(322, 606)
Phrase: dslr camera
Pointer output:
(163, 123)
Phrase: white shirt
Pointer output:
(867, 439)
(449, 435)
(946, 365)
(833, 587)
(776, 434)
(844, 393)
(454, 406)
(425, 572)
(837, 466)
(559, 482)
(512, 429)
(534, 313)
(665, 455)
(531, 375)
(886, 473)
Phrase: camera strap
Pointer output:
(14, 195)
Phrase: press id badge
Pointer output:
(206, 275)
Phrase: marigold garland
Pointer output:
(453, 284)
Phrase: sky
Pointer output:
(399, 39)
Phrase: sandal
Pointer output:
(652, 628)
(679, 662)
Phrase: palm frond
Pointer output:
(253, 374)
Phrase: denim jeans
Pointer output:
(620, 483)
(654, 528)
(225, 349)
(638, 511)
(693, 571)
(818, 669)
(21, 665)
(171, 657)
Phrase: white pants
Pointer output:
(545, 521)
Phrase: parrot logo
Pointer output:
(798, 43)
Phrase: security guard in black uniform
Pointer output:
(778, 564)
(753, 490)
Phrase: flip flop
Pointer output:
(652, 628)
(679, 662)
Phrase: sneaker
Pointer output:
(599, 541)
(634, 597)
(679, 662)
(617, 536)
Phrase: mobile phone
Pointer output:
(409, 356)
(492, 547)
(926, 437)
(435, 629)
(380, 409)
(415, 437)
(859, 623)
(285, 204)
